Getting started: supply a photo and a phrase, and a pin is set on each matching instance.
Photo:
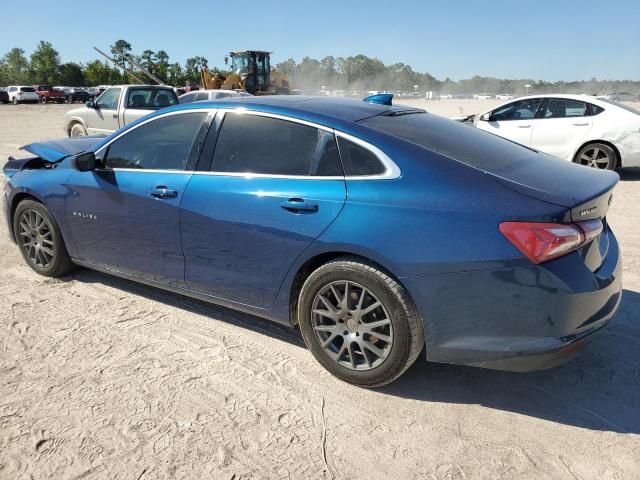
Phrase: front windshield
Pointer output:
(240, 63)
(621, 105)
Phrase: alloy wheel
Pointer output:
(36, 238)
(596, 157)
(352, 325)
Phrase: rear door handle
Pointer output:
(524, 126)
(163, 192)
(581, 124)
(297, 205)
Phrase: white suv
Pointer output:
(22, 94)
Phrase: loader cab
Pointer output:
(254, 67)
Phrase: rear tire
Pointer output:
(40, 240)
(77, 130)
(15, 100)
(369, 339)
(597, 155)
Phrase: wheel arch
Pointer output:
(15, 201)
(616, 150)
(73, 121)
(316, 261)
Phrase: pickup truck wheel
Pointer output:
(77, 130)
(43, 99)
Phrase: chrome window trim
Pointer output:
(392, 171)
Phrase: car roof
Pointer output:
(313, 108)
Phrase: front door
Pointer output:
(126, 216)
(515, 121)
(273, 187)
(103, 118)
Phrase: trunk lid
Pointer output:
(586, 192)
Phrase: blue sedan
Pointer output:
(380, 231)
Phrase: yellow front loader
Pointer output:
(250, 71)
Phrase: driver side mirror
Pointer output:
(86, 162)
(486, 117)
(91, 104)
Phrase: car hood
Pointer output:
(55, 150)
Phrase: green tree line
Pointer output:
(358, 72)
(44, 66)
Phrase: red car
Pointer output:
(46, 93)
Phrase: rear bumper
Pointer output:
(521, 318)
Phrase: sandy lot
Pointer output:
(104, 378)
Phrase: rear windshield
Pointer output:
(27, 89)
(621, 105)
(455, 140)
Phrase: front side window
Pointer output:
(109, 99)
(151, 98)
(162, 144)
(563, 108)
(255, 144)
(520, 110)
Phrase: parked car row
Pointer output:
(48, 93)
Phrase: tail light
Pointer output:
(541, 242)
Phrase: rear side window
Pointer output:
(262, 145)
(151, 98)
(595, 109)
(358, 161)
(564, 108)
(201, 96)
(162, 144)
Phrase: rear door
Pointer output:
(126, 215)
(103, 118)
(273, 186)
(562, 126)
(515, 121)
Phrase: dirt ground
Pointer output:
(104, 378)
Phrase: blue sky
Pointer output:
(540, 39)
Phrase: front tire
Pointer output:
(15, 100)
(359, 323)
(40, 240)
(597, 155)
(77, 130)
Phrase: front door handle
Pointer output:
(581, 124)
(298, 205)
(524, 126)
(163, 192)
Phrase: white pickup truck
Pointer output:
(117, 106)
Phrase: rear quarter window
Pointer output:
(358, 161)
